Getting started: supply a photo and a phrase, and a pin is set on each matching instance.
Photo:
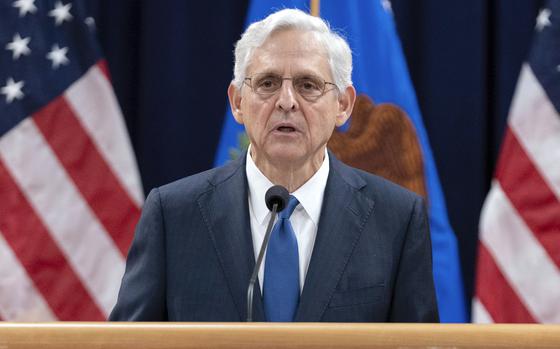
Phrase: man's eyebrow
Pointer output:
(308, 75)
(305, 71)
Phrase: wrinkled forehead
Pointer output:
(290, 49)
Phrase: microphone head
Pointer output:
(277, 195)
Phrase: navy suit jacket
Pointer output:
(192, 254)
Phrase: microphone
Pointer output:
(276, 199)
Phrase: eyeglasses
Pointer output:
(308, 86)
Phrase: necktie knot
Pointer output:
(287, 212)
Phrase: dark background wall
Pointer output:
(171, 62)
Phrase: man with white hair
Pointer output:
(349, 247)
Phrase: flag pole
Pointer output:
(314, 8)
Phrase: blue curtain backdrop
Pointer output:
(171, 63)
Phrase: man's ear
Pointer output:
(346, 102)
(234, 95)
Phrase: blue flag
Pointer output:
(380, 72)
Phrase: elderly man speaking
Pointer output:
(348, 247)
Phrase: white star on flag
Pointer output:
(25, 6)
(58, 56)
(61, 13)
(18, 46)
(12, 90)
(90, 22)
(543, 19)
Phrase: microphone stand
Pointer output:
(253, 279)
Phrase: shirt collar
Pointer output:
(310, 194)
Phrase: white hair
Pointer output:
(338, 51)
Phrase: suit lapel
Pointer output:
(226, 211)
(343, 215)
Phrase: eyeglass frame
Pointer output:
(308, 98)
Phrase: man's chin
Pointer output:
(286, 149)
(288, 155)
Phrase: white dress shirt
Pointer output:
(304, 219)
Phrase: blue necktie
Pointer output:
(281, 270)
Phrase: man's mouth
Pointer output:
(286, 129)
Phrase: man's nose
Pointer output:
(287, 100)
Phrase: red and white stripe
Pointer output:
(518, 271)
(108, 134)
(20, 300)
(71, 198)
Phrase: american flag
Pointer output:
(70, 193)
(518, 271)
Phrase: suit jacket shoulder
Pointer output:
(189, 189)
(373, 186)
